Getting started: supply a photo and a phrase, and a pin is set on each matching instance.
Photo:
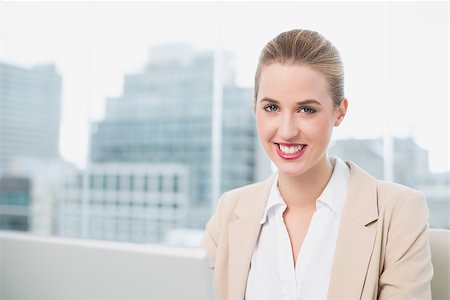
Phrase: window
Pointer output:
(131, 182)
(136, 111)
(117, 182)
(145, 183)
(175, 184)
(160, 183)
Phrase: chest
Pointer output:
(293, 257)
(297, 227)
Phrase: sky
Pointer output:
(395, 56)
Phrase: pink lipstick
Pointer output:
(290, 156)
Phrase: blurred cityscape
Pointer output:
(149, 178)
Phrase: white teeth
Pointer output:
(290, 150)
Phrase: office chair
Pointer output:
(440, 257)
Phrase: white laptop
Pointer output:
(34, 267)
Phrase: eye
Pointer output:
(270, 107)
(308, 110)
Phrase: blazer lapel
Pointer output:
(353, 248)
(243, 234)
(355, 241)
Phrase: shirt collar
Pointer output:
(275, 199)
(335, 192)
(333, 195)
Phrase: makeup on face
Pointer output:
(295, 116)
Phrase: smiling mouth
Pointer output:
(290, 150)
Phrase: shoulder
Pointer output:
(370, 196)
(247, 193)
(393, 200)
(385, 190)
(245, 190)
(397, 198)
(244, 200)
(395, 190)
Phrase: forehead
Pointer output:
(296, 82)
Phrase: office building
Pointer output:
(15, 198)
(410, 168)
(165, 116)
(132, 202)
(30, 101)
(410, 160)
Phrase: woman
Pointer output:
(319, 228)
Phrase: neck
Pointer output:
(300, 192)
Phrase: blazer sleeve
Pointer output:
(407, 269)
(212, 233)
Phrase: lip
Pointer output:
(289, 145)
(290, 156)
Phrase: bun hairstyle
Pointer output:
(307, 48)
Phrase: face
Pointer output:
(295, 117)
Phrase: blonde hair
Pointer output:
(308, 48)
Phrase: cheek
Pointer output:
(262, 123)
(266, 128)
(319, 128)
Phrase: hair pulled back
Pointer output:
(308, 48)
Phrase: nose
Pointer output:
(288, 127)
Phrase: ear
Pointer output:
(254, 105)
(341, 111)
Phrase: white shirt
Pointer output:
(272, 272)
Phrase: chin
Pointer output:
(293, 170)
(292, 173)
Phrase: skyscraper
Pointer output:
(165, 116)
(410, 160)
(30, 101)
(124, 201)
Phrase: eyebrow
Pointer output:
(303, 102)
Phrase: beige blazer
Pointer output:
(382, 251)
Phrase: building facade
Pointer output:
(15, 198)
(123, 201)
(30, 103)
(410, 168)
(165, 116)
